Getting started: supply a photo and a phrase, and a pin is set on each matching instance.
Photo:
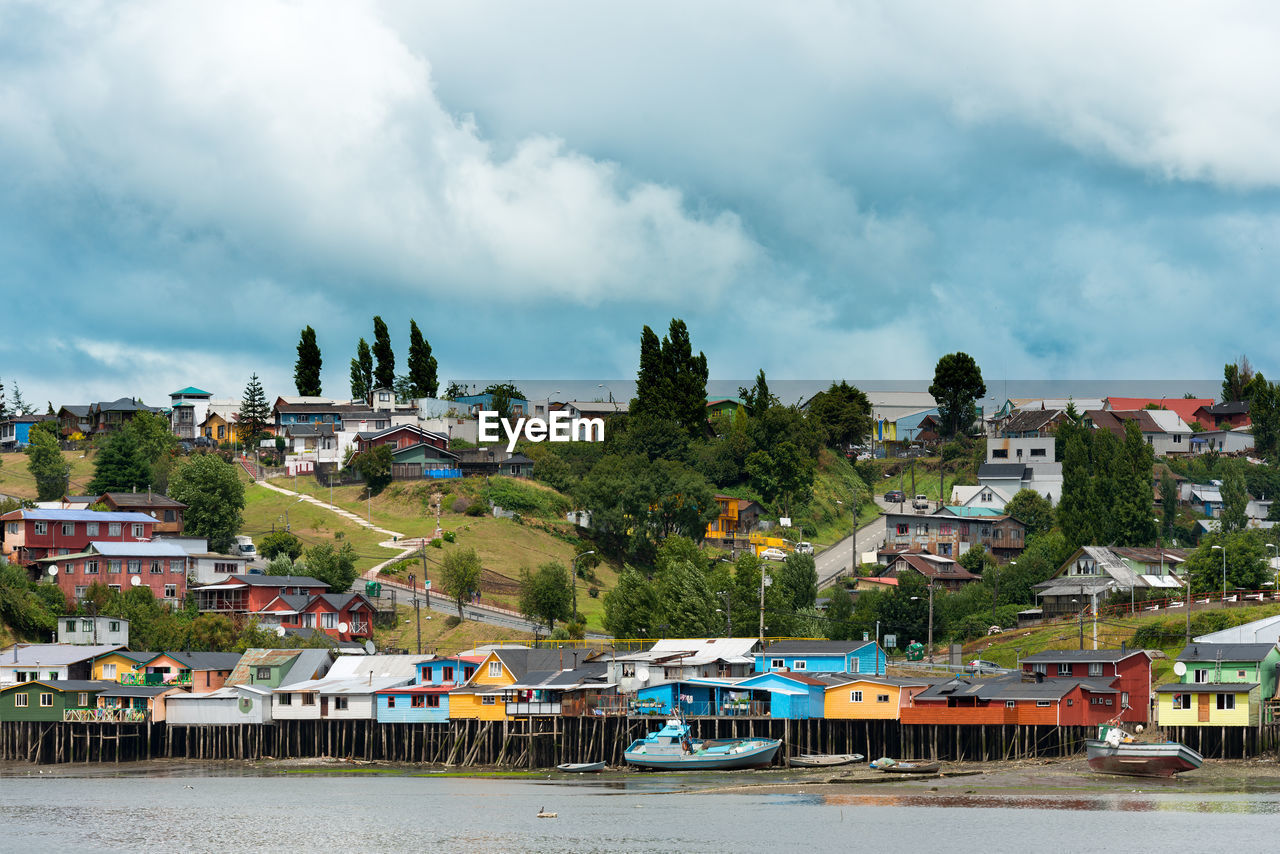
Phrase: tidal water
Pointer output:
(202, 810)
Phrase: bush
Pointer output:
(523, 498)
(452, 621)
(476, 509)
(450, 537)
(593, 592)
(437, 543)
(461, 505)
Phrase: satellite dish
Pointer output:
(344, 628)
(53, 569)
(279, 631)
(1180, 667)
(369, 647)
(642, 673)
(135, 581)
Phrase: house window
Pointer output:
(113, 567)
(1226, 702)
(82, 699)
(1000, 454)
(922, 529)
(777, 663)
(40, 529)
(308, 699)
(855, 697)
(882, 698)
(115, 587)
(90, 528)
(113, 626)
(944, 550)
(1038, 668)
(135, 567)
(487, 701)
(20, 700)
(1201, 676)
(1124, 699)
(137, 530)
(1037, 452)
(1010, 704)
(904, 528)
(1182, 701)
(1043, 704)
(170, 516)
(71, 625)
(418, 701)
(68, 529)
(308, 621)
(800, 665)
(446, 674)
(90, 567)
(944, 530)
(113, 529)
(495, 668)
(433, 701)
(468, 672)
(855, 666)
(628, 669)
(224, 568)
(46, 701)
(80, 591)
(285, 699)
(157, 567)
(1239, 674)
(391, 701)
(327, 620)
(1095, 668)
(1064, 669)
(171, 591)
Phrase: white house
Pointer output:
(347, 691)
(683, 658)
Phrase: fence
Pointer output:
(106, 716)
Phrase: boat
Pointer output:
(580, 767)
(894, 766)
(1115, 751)
(824, 760)
(672, 748)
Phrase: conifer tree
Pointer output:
(362, 372)
(306, 371)
(422, 365)
(254, 414)
(384, 372)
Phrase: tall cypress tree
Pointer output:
(652, 394)
(1132, 508)
(120, 466)
(253, 415)
(1075, 508)
(688, 378)
(422, 365)
(362, 372)
(384, 372)
(306, 371)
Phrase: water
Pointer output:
(195, 810)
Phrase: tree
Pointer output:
(1031, 509)
(1168, 501)
(20, 406)
(503, 396)
(672, 382)
(840, 615)
(757, 398)
(784, 475)
(306, 371)
(362, 372)
(335, 567)
(842, 414)
(120, 466)
(1235, 377)
(1246, 558)
(460, 575)
(1131, 510)
(374, 467)
(253, 415)
(629, 608)
(422, 365)
(45, 462)
(797, 581)
(282, 564)
(280, 543)
(4, 407)
(156, 445)
(384, 371)
(546, 594)
(1264, 413)
(957, 385)
(214, 496)
(1235, 501)
(1077, 506)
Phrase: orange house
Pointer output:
(1016, 700)
(202, 672)
(873, 697)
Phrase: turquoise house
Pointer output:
(426, 700)
(695, 698)
(790, 696)
(801, 656)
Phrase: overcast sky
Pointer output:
(818, 189)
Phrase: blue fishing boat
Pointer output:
(672, 748)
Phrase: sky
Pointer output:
(823, 190)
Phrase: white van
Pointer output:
(245, 548)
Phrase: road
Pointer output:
(835, 560)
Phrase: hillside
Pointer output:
(17, 481)
(438, 638)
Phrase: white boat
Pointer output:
(824, 760)
(671, 748)
(1115, 751)
(580, 767)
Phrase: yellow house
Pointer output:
(218, 428)
(480, 698)
(872, 697)
(1208, 704)
(114, 666)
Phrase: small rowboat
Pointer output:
(892, 766)
(824, 760)
(580, 767)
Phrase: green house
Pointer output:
(49, 700)
(726, 406)
(1221, 684)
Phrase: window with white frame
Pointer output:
(800, 664)
(1095, 668)
(340, 704)
(137, 530)
(91, 528)
(39, 529)
(1010, 704)
(113, 529)
(46, 700)
(82, 699)
(1064, 669)
(20, 700)
(488, 701)
(171, 591)
(1226, 702)
(1182, 701)
(135, 567)
(1201, 676)
(1043, 704)
(157, 567)
(108, 671)
(90, 567)
(328, 620)
(113, 626)
(68, 529)
(855, 697)
(495, 668)
(113, 567)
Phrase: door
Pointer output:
(1203, 708)
(324, 707)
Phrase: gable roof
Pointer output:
(63, 685)
(1002, 470)
(931, 566)
(191, 391)
(140, 499)
(814, 647)
(1082, 656)
(254, 580)
(1209, 652)
(1185, 407)
(1030, 419)
(53, 654)
(205, 660)
(37, 514)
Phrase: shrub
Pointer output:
(437, 543)
(452, 621)
(593, 592)
(461, 505)
(476, 509)
(450, 537)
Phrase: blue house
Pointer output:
(453, 670)
(15, 431)
(694, 698)
(426, 699)
(791, 696)
(822, 656)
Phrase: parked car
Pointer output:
(203, 442)
(804, 548)
(185, 446)
(979, 665)
(921, 502)
(895, 496)
(773, 554)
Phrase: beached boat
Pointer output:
(1115, 751)
(672, 748)
(894, 766)
(824, 760)
(580, 767)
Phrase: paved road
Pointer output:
(835, 560)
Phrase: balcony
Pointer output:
(106, 716)
(610, 705)
(534, 708)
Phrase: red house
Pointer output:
(1224, 416)
(1016, 699)
(1129, 670)
(158, 565)
(342, 616)
(249, 594)
(401, 436)
(26, 536)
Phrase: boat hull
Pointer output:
(909, 768)
(756, 756)
(581, 767)
(824, 761)
(1141, 760)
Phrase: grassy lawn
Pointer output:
(437, 638)
(313, 525)
(15, 479)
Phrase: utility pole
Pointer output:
(763, 579)
(417, 613)
(930, 622)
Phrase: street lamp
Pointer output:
(929, 639)
(765, 581)
(606, 388)
(1224, 574)
(1077, 602)
(728, 614)
(575, 581)
(1276, 549)
(290, 507)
